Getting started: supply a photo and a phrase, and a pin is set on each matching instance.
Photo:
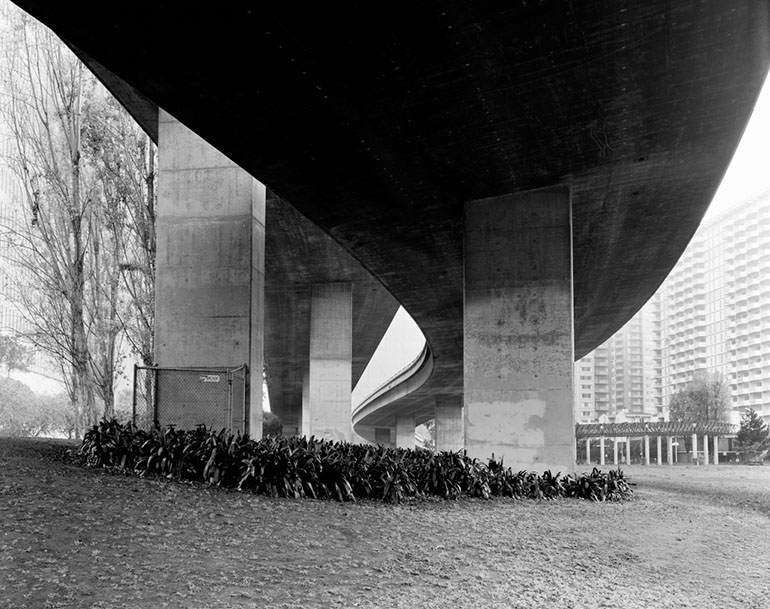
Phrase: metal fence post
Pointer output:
(133, 399)
(229, 418)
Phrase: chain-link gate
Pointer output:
(187, 397)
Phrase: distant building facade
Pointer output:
(711, 314)
(618, 378)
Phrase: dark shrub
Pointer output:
(281, 466)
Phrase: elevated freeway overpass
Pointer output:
(490, 164)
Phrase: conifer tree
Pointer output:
(754, 433)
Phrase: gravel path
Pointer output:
(72, 537)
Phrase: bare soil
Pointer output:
(75, 537)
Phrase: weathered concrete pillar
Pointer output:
(405, 432)
(716, 450)
(646, 450)
(449, 423)
(659, 440)
(705, 449)
(331, 351)
(575, 452)
(628, 450)
(382, 436)
(588, 451)
(518, 335)
(670, 449)
(209, 292)
(695, 448)
(306, 400)
(614, 451)
(601, 451)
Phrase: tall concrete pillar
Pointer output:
(614, 451)
(670, 450)
(331, 351)
(575, 452)
(449, 423)
(716, 450)
(405, 432)
(209, 292)
(705, 449)
(518, 334)
(628, 450)
(659, 440)
(694, 448)
(305, 430)
(646, 450)
(588, 451)
(382, 436)
(601, 451)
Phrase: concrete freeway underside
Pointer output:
(297, 255)
(379, 123)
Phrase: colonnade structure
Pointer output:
(520, 179)
(619, 435)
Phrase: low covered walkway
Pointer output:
(621, 435)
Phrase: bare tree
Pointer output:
(44, 112)
(84, 241)
(125, 160)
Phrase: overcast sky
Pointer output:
(749, 172)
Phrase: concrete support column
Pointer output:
(405, 432)
(306, 401)
(331, 351)
(716, 450)
(670, 447)
(614, 451)
(518, 335)
(209, 290)
(694, 448)
(660, 450)
(601, 451)
(382, 436)
(705, 449)
(449, 423)
(628, 450)
(588, 451)
(646, 450)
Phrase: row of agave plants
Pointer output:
(296, 467)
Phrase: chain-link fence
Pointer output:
(187, 397)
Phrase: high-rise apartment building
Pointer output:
(618, 377)
(717, 302)
(711, 314)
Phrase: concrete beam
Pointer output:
(449, 423)
(646, 450)
(382, 435)
(601, 448)
(518, 337)
(628, 450)
(695, 448)
(209, 269)
(405, 432)
(331, 350)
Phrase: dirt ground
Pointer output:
(73, 537)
